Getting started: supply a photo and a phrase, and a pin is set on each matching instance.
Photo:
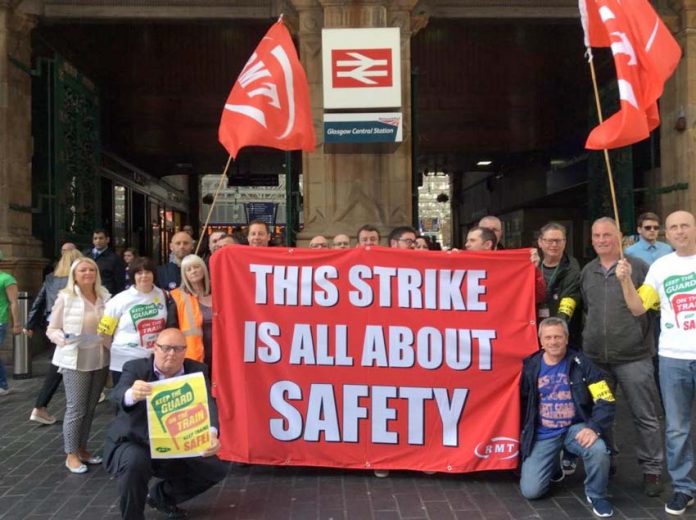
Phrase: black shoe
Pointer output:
(652, 485)
(558, 476)
(569, 466)
(172, 512)
(678, 503)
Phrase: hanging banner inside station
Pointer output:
(361, 68)
(370, 127)
(371, 358)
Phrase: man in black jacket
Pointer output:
(127, 449)
(112, 269)
(169, 274)
(566, 404)
(562, 276)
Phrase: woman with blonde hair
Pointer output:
(39, 315)
(80, 356)
(191, 309)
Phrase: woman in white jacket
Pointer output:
(80, 357)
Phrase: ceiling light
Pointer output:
(484, 163)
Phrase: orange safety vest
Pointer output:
(190, 323)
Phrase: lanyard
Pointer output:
(553, 276)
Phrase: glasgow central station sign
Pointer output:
(362, 71)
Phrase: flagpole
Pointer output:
(607, 162)
(289, 202)
(212, 205)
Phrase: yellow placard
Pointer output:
(178, 418)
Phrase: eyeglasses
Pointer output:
(171, 348)
(553, 241)
(651, 228)
(407, 241)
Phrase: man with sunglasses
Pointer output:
(127, 449)
(648, 248)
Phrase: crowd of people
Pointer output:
(601, 327)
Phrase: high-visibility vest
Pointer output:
(190, 323)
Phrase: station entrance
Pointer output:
(126, 114)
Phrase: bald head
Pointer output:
(494, 224)
(171, 336)
(213, 240)
(170, 351)
(681, 215)
(319, 242)
(341, 241)
(680, 230)
(181, 245)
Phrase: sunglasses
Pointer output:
(651, 228)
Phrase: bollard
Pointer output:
(22, 357)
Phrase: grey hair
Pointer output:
(555, 226)
(606, 220)
(553, 321)
(188, 261)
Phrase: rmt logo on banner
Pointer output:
(361, 68)
(382, 346)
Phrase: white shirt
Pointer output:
(673, 277)
(134, 319)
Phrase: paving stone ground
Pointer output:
(34, 483)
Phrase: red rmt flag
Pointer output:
(645, 55)
(269, 102)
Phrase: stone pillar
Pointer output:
(678, 148)
(21, 251)
(344, 191)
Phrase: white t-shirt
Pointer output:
(673, 278)
(134, 319)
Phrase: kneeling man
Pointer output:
(127, 450)
(566, 404)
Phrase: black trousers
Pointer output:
(182, 479)
(49, 387)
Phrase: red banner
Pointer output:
(371, 358)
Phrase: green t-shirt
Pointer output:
(6, 280)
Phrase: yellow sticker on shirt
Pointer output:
(601, 390)
(107, 325)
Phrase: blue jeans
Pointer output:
(678, 385)
(3, 373)
(544, 462)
